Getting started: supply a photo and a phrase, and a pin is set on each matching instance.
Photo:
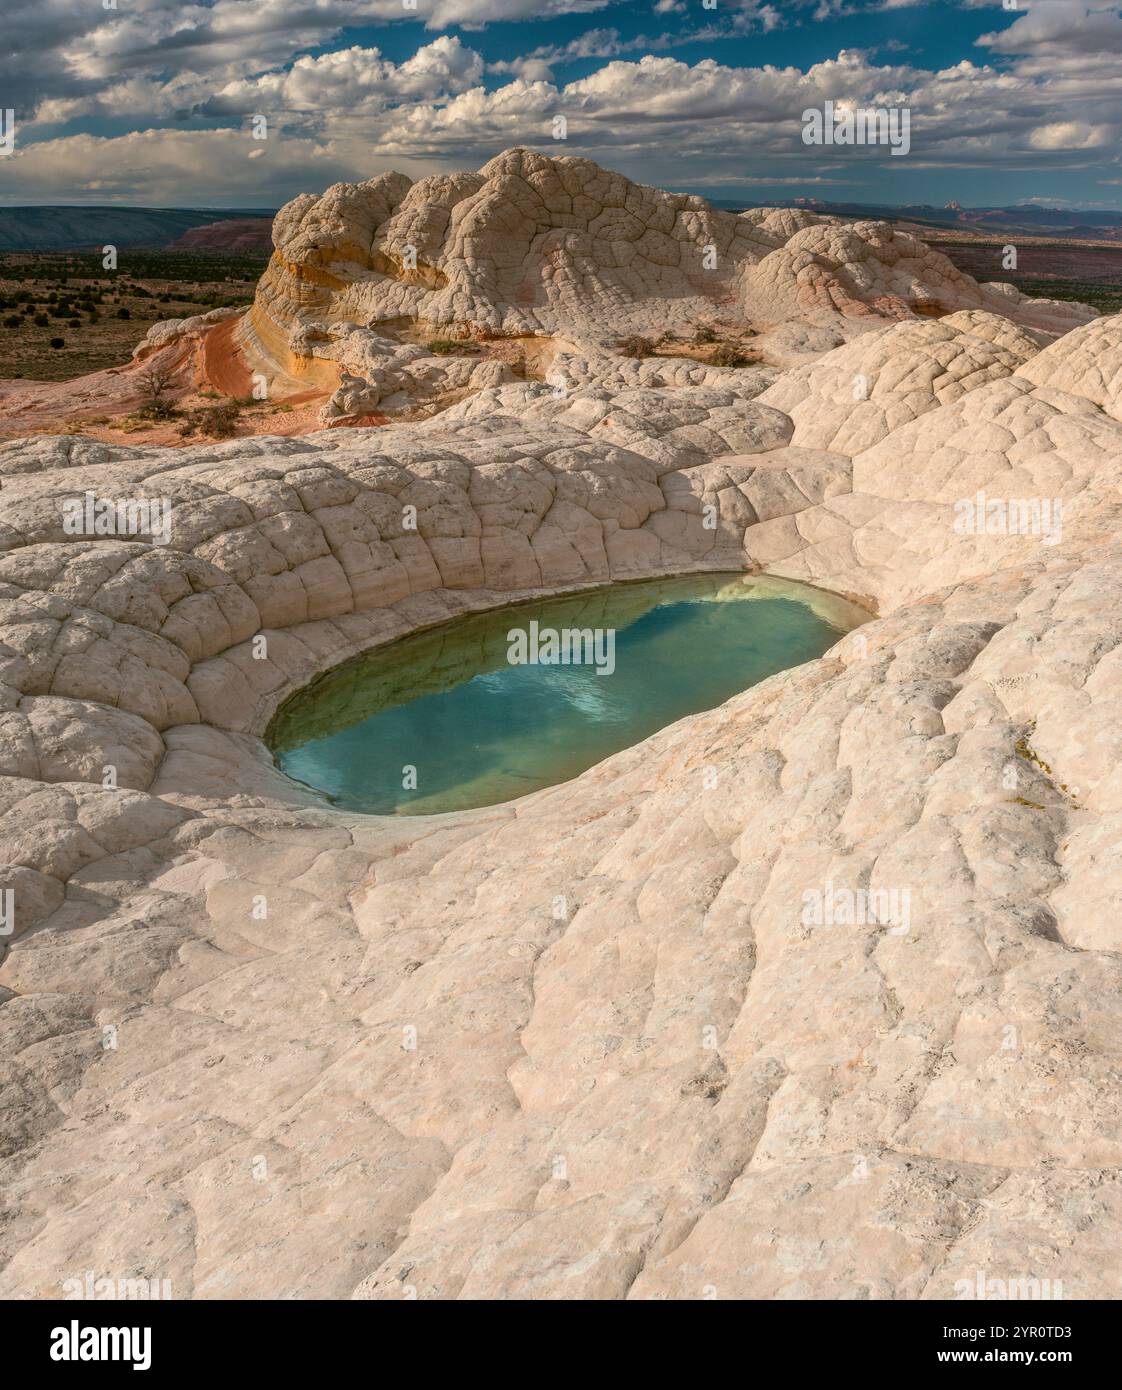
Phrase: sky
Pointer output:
(156, 102)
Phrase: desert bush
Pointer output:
(728, 355)
(222, 420)
(12, 321)
(155, 381)
(635, 346)
(58, 342)
(442, 346)
(42, 321)
(704, 334)
(217, 421)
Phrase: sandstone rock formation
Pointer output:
(682, 1086)
(534, 245)
(861, 269)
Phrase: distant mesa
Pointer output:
(235, 235)
(51, 229)
(1071, 223)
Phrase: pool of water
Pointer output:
(489, 707)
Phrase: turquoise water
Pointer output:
(477, 730)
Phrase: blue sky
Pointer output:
(797, 39)
(154, 102)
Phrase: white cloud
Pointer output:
(1070, 135)
(170, 167)
(353, 80)
(1059, 29)
(66, 49)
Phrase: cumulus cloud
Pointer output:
(56, 50)
(353, 80)
(1070, 135)
(593, 43)
(610, 43)
(1059, 29)
(211, 167)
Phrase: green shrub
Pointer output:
(441, 346)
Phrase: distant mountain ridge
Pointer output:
(86, 228)
(1079, 223)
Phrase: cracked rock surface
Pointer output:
(679, 1084)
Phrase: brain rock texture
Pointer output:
(559, 246)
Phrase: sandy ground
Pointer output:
(104, 405)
